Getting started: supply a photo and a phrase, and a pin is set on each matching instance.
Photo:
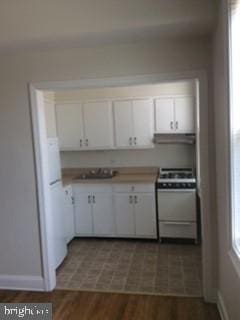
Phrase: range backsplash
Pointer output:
(165, 155)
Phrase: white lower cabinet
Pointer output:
(124, 215)
(93, 210)
(135, 211)
(68, 213)
(115, 211)
(83, 215)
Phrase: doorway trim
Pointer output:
(208, 236)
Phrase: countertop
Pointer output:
(124, 175)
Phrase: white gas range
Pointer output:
(176, 191)
(176, 178)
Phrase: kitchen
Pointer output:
(128, 169)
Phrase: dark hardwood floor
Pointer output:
(76, 305)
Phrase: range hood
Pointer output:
(174, 138)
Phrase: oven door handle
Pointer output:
(176, 190)
(177, 223)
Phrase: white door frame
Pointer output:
(208, 238)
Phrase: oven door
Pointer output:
(177, 213)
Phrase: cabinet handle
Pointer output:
(80, 142)
(131, 199)
(171, 125)
(135, 199)
(176, 125)
(73, 202)
(89, 199)
(130, 141)
(66, 192)
(135, 140)
(86, 142)
(94, 201)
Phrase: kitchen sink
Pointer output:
(97, 174)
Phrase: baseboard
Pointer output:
(210, 296)
(15, 282)
(222, 308)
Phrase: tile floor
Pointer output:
(131, 266)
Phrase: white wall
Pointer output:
(87, 22)
(19, 229)
(229, 281)
(159, 156)
(174, 88)
(50, 116)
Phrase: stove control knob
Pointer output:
(184, 185)
(189, 185)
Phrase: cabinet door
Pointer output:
(123, 123)
(145, 215)
(164, 115)
(143, 122)
(69, 126)
(103, 222)
(68, 213)
(98, 124)
(185, 115)
(83, 214)
(124, 215)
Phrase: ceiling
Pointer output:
(39, 23)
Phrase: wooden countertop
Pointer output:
(124, 175)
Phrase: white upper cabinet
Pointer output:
(142, 122)
(85, 126)
(175, 115)
(98, 124)
(123, 123)
(103, 219)
(133, 123)
(164, 113)
(185, 115)
(69, 119)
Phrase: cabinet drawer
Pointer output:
(170, 229)
(91, 188)
(133, 187)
